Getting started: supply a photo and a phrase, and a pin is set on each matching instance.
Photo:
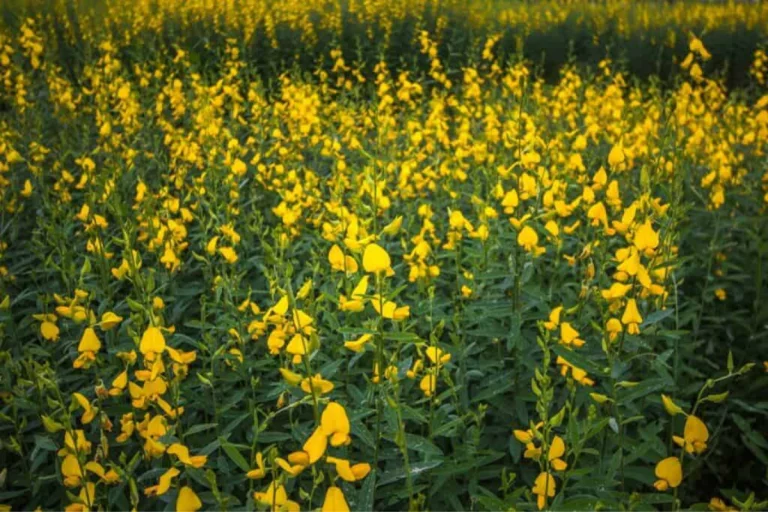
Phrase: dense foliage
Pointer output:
(379, 255)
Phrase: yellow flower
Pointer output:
(348, 472)
(182, 453)
(212, 245)
(554, 319)
(229, 254)
(598, 215)
(88, 346)
(259, 472)
(614, 328)
(359, 344)
(238, 167)
(528, 239)
(717, 504)
(163, 484)
(556, 451)
(646, 238)
(85, 499)
(152, 343)
(187, 500)
(296, 463)
(436, 354)
(316, 444)
(671, 407)
(335, 501)
(119, 383)
(389, 309)
(335, 424)
(376, 259)
(109, 320)
(570, 336)
(669, 473)
(276, 498)
(50, 331)
(341, 262)
(71, 471)
(393, 227)
(428, 383)
(89, 412)
(290, 377)
(695, 436)
(318, 383)
(616, 291)
(543, 488)
(616, 157)
(108, 477)
(631, 317)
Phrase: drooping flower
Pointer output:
(335, 424)
(260, 471)
(88, 346)
(695, 436)
(341, 262)
(109, 320)
(348, 471)
(316, 383)
(631, 317)
(188, 501)
(163, 484)
(669, 473)
(335, 501)
(376, 259)
(152, 343)
(182, 453)
(543, 488)
(276, 498)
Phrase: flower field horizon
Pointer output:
(383, 255)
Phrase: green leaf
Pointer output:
(235, 456)
(196, 429)
(366, 494)
(399, 473)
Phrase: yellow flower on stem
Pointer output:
(187, 500)
(163, 484)
(152, 343)
(543, 488)
(335, 501)
(631, 317)
(695, 436)
(335, 424)
(276, 498)
(182, 453)
(88, 346)
(556, 451)
(341, 262)
(436, 355)
(348, 472)
(318, 383)
(109, 320)
(49, 331)
(358, 345)
(376, 260)
(554, 319)
(260, 471)
(71, 471)
(89, 412)
(570, 336)
(316, 444)
(669, 473)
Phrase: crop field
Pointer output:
(383, 255)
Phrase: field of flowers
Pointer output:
(383, 255)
